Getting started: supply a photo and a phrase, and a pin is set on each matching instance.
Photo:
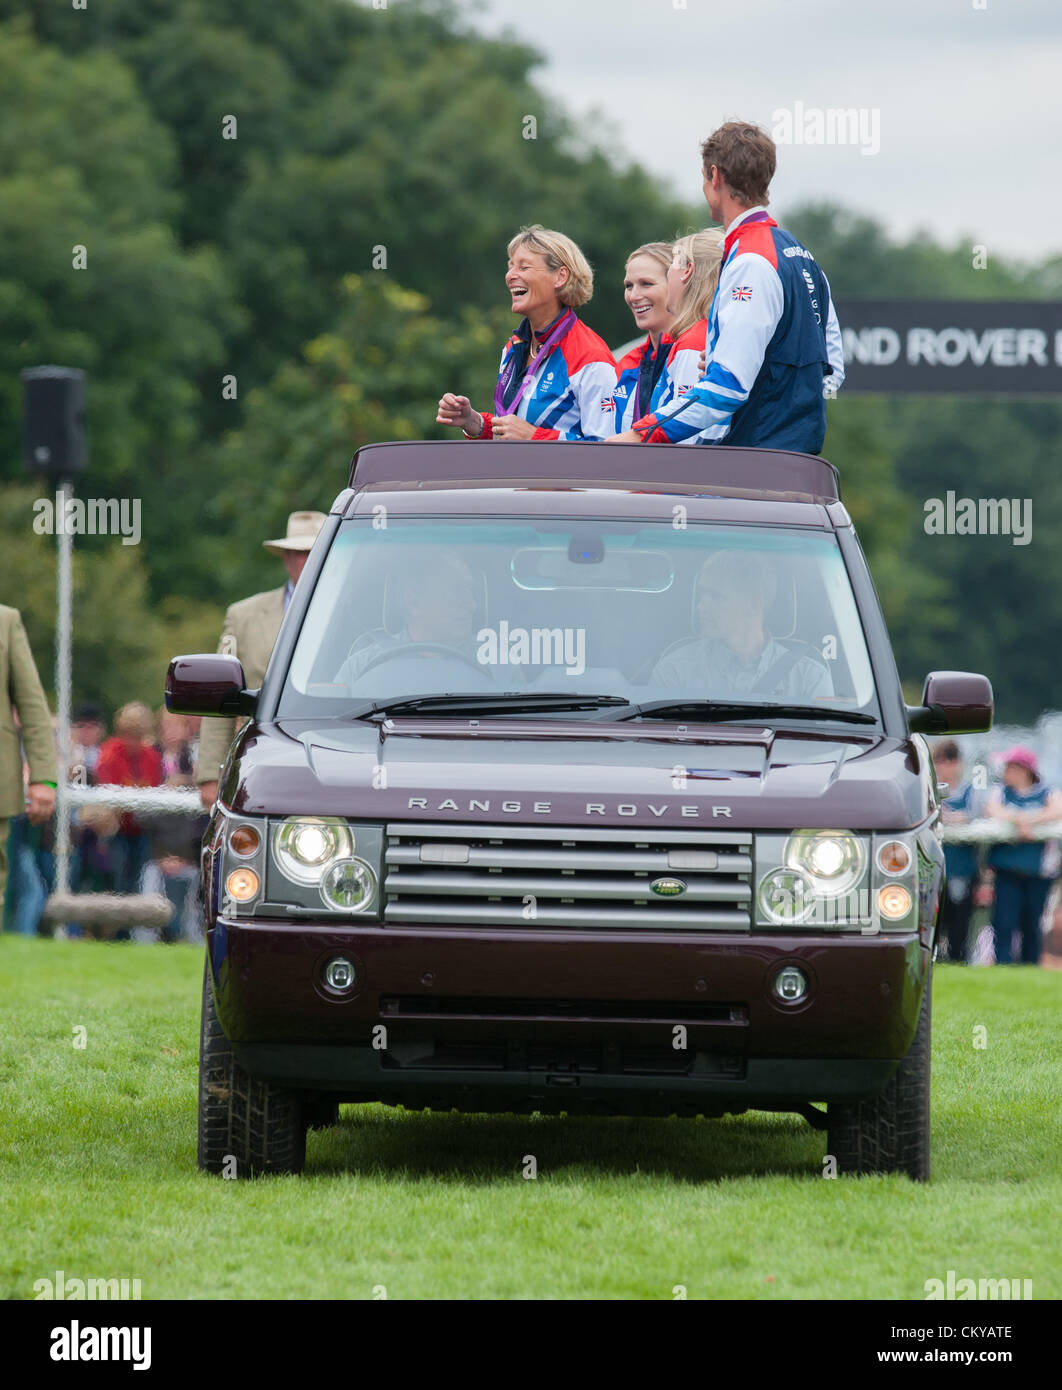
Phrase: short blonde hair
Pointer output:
(559, 251)
(705, 251)
(134, 718)
(660, 251)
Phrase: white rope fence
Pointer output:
(988, 831)
(110, 911)
(182, 801)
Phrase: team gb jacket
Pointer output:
(772, 339)
(570, 393)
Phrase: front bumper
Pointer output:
(636, 1023)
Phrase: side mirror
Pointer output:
(208, 683)
(953, 702)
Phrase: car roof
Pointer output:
(609, 502)
(774, 475)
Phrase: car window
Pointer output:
(644, 610)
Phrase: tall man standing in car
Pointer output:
(773, 338)
(21, 693)
(250, 633)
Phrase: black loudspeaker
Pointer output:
(53, 421)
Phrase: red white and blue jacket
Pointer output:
(772, 341)
(570, 393)
(683, 369)
(642, 373)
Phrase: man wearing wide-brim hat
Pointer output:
(250, 632)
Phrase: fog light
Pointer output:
(244, 841)
(894, 857)
(790, 984)
(894, 901)
(242, 885)
(339, 973)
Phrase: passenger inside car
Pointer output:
(735, 655)
(438, 605)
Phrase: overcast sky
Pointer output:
(967, 96)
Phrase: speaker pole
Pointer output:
(53, 441)
(64, 615)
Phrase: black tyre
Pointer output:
(890, 1134)
(246, 1126)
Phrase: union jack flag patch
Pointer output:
(608, 403)
(741, 292)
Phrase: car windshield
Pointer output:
(645, 611)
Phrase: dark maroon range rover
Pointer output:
(580, 780)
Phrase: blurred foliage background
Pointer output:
(342, 259)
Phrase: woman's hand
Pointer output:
(511, 427)
(457, 411)
(627, 437)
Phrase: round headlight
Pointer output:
(305, 845)
(349, 885)
(833, 860)
(894, 901)
(786, 897)
(242, 885)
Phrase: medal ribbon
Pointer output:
(505, 376)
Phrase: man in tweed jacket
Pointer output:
(21, 693)
(250, 632)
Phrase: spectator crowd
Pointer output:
(115, 851)
(1011, 880)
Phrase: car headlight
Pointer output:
(305, 846)
(833, 861)
(786, 897)
(349, 885)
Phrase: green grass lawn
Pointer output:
(98, 1172)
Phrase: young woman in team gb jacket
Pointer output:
(692, 280)
(641, 371)
(557, 376)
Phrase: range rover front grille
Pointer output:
(542, 877)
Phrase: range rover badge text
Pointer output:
(668, 887)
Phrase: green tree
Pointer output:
(121, 643)
(342, 393)
(146, 319)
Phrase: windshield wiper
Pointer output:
(504, 702)
(719, 710)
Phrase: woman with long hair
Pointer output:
(692, 281)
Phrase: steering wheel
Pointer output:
(420, 648)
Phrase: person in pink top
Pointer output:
(129, 760)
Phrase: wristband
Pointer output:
(487, 432)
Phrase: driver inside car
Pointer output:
(736, 656)
(438, 599)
